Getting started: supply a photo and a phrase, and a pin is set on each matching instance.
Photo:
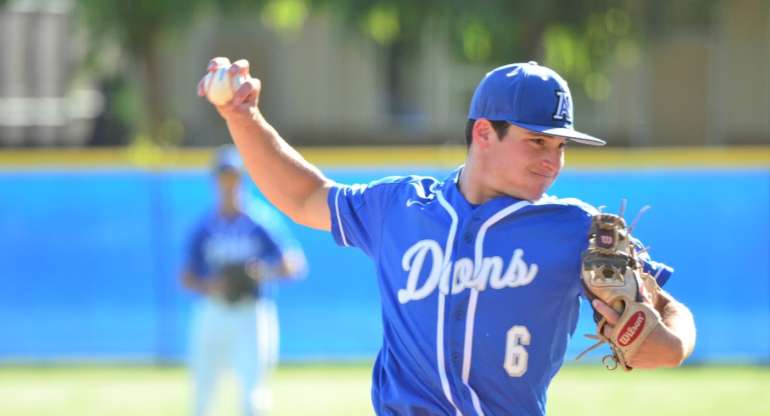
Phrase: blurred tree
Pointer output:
(575, 37)
(138, 27)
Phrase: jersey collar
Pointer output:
(451, 190)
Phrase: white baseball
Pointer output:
(220, 86)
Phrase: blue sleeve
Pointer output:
(661, 272)
(358, 212)
(196, 261)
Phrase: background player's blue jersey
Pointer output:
(478, 302)
(220, 240)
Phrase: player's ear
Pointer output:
(483, 133)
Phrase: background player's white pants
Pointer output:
(242, 337)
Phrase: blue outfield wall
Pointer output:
(89, 263)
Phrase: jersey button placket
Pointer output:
(459, 307)
(457, 313)
(470, 231)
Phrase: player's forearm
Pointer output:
(196, 284)
(680, 322)
(289, 182)
(293, 264)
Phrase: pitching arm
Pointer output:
(289, 182)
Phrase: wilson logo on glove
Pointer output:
(633, 328)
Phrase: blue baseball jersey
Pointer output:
(478, 302)
(220, 240)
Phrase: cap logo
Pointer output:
(563, 107)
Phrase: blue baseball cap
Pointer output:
(531, 96)
(227, 158)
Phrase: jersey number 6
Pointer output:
(515, 354)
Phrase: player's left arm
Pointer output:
(669, 344)
(279, 261)
(293, 264)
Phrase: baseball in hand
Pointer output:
(220, 86)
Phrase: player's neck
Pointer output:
(472, 185)
(229, 208)
(477, 184)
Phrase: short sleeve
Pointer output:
(661, 272)
(358, 211)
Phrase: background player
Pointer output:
(234, 324)
(479, 274)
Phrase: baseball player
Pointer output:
(230, 259)
(479, 272)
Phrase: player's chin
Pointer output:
(533, 194)
(538, 190)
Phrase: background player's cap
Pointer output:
(227, 158)
(530, 96)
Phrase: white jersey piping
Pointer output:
(440, 316)
(339, 219)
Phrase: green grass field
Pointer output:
(344, 390)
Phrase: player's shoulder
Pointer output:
(250, 221)
(399, 187)
(573, 206)
(211, 221)
(205, 224)
(567, 214)
(207, 219)
(418, 183)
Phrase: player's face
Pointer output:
(228, 182)
(526, 163)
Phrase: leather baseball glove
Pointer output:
(612, 272)
(238, 282)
